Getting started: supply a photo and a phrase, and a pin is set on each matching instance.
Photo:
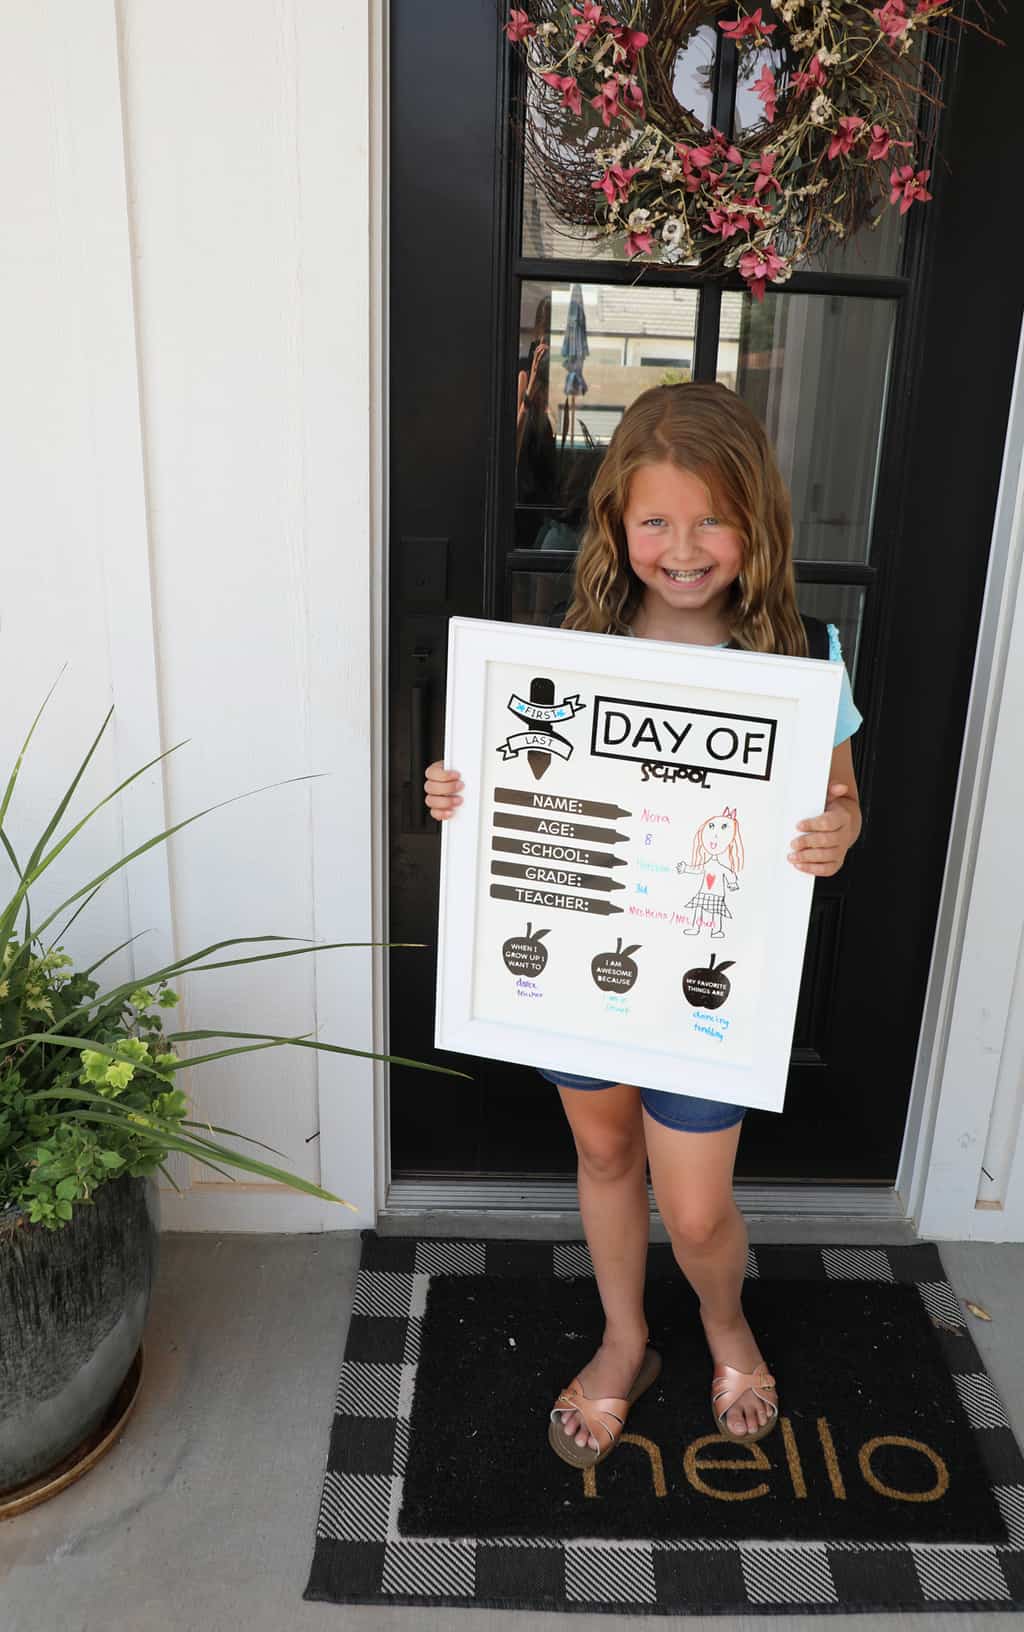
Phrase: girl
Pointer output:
(689, 538)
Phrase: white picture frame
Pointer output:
(710, 757)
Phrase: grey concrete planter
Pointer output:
(73, 1304)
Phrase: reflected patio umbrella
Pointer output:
(574, 353)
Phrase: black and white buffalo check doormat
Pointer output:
(892, 1482)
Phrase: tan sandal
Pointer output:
(593, 1413)
(729, 1385)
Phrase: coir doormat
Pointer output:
(892, 1482)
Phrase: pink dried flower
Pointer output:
(747, 25)
(638, 243)
(844, 138)
(881, 142)
(691, 174)
(757, 266)
(764, 87)
(629, 42)
(908, 188)
(763, 168)
(728, 222)
(591, 16)
(633, 96)
(607, 101)
(806, 79)
(519, 26)
(614, 184)
(725, 148)
(892, 18)
(571, 96)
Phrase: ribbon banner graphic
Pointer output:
(542, 712)
(549, 742)
(538, 712)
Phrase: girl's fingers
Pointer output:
(815, 841)
(443, 790)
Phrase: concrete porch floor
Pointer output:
(202, 1517)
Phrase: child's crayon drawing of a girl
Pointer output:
(717, 857)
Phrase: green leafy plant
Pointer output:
(88, 1077)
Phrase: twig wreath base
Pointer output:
(612, 150)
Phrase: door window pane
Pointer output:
(585, 351)
(813, 368)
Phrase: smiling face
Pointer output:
(717, 835)
(684, 551)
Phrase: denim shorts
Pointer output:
(682, 1111)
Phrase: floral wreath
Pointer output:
(840, 96)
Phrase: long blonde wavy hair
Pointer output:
(708, 431)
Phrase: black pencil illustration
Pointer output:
(542, 691)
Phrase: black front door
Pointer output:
(883, 378)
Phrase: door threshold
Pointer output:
(558, 1198)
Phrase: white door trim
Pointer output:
(970, 1071)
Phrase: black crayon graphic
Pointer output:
(541, 872)
(542, 690)
(564, 803)
(557, 829)
(552, 850)
(548, 899)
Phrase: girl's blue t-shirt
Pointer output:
(849, 717)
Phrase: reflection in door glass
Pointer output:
(539, 597)
(813, 368)
(585, 351)
(694, 72)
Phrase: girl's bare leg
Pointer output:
(608, 1131)
(691, 1174)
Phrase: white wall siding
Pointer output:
(74, 534)
(191, 445)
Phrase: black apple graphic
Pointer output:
(615, 971)
(524, 954)
(707, 988)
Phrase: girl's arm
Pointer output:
(824, 840)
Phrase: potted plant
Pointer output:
(89, 1110)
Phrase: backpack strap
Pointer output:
(818, 644)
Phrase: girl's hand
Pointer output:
(540, 351)
(443, 789)
(827, 837)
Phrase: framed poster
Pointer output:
(616, 900)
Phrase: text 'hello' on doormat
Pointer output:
(892, 1482)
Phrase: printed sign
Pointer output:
(616, 900)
